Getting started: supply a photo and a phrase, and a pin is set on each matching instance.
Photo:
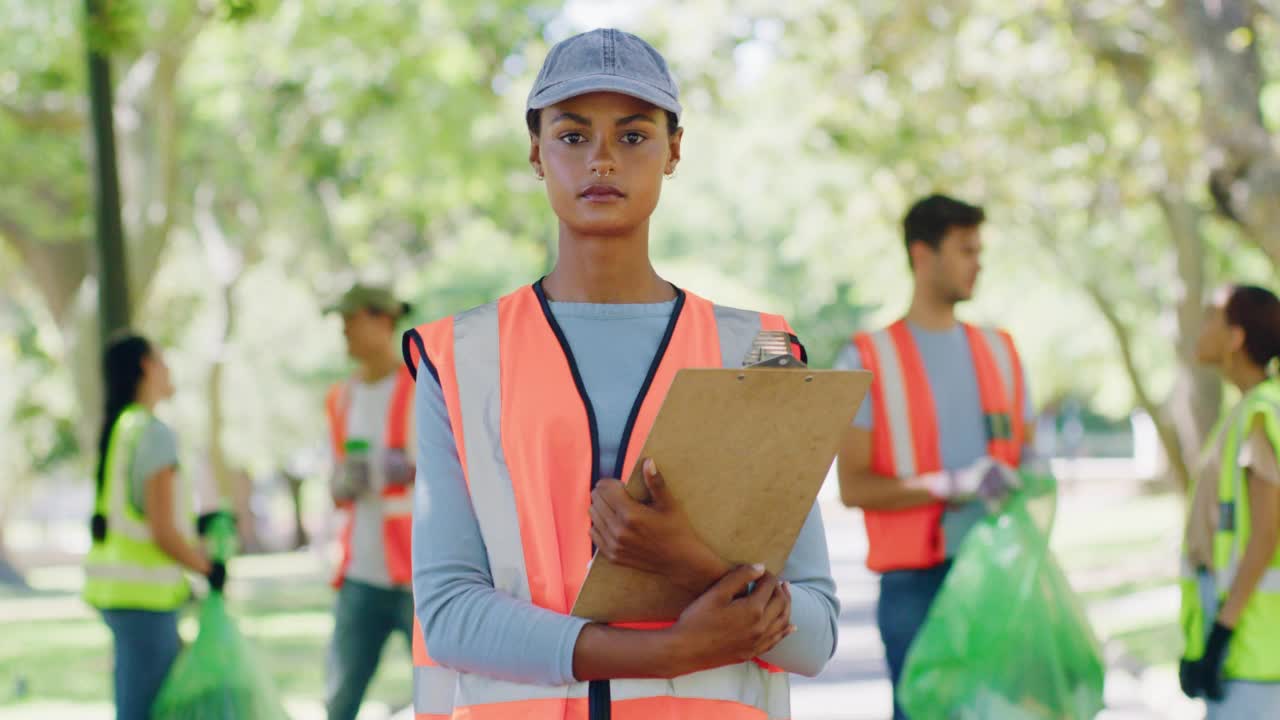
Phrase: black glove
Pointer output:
(1189, 678)
(98, 527)
(1210, 666)
(217, 576)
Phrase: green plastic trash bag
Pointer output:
(217, 677)
(1006, 636)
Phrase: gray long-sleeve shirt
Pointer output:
(473, 627)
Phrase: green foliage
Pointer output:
(322, 141)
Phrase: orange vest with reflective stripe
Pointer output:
(904, 433)
(397, 501)
(529, 450)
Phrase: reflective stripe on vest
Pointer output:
(1225, 577)
(127, 570)
(160, 575)
(397, 502)
(904, 432)
(433, 685)
(526, 440)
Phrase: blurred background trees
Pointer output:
(272, 151)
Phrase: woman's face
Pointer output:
(155, 376)
(603, 156)
(1218, 338)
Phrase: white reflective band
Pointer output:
(162, 575)
(1004, 363)
(398, 506)
(1186, 570)
(121, 523)
(476, 364)
(744, 683)
(1270, 581)
(433, 690)
(737, 330)
(897, 407)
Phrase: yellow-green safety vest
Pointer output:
(1255, 646)
(127, 570)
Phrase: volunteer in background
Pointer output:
(944, 429)
(1231, 584)
(144, 527)
(373, 473)
(530, 408)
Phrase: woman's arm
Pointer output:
(1263, 486)
(814, 607)
(160, 502)
(468, 624)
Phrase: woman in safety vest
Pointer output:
(530, 409)
(1231, 585)
(144, 527)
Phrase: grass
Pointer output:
(53, 649)
(284, 612)
(1152, 645)
(1125, 549)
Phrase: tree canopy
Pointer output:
(272, 151)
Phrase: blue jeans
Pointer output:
(363, 619)
(146, 644)
(905, 597)
(1243, 700)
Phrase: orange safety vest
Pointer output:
(397, 502)
(528, 445)
(904, 433)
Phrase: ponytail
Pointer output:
(121, 374)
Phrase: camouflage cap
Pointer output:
(370, 297)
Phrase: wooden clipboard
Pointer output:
(745, 453)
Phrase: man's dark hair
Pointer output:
(533, 119)
(929, 219)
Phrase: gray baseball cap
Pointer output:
(605, 60)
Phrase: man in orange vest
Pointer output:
(939, 441)
(372, 483)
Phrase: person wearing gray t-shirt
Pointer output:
(369, 418)
(939, 438)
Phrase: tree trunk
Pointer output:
(1165, 430)
(113, 284)
(294, 482)
(1185, 418)
(1196, 400)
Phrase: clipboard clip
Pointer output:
(771, 349)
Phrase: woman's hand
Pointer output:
(725, 625)
(655, 537)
